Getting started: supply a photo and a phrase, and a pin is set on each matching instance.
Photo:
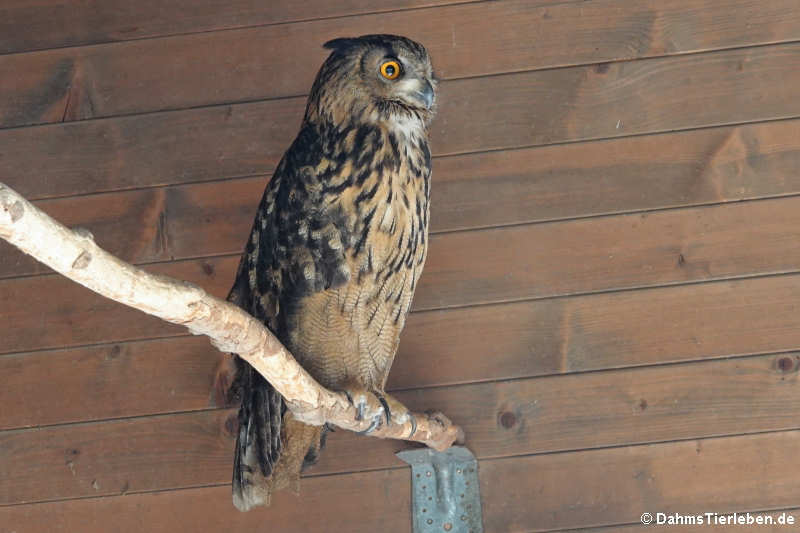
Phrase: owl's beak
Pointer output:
(425, 96)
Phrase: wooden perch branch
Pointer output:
(75, 255)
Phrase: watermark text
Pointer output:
(719, 519)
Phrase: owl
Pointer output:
(337, 246)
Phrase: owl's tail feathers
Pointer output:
(271, 447)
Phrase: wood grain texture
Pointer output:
(617, 485)
(281, 60)
(610, 486)
(603, 331)
(144, 151)
(500, 419)
(26, 25)
(210, 509)
(77, 316)
(109, 381)
(617, 175)
(625, 251)
(626, 98)
(467, 268)
(476, 190)
(524, 339)
(542, 107)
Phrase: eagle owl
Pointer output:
(336, 249)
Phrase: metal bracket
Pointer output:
(444, 489)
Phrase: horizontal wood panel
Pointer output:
(281, 60)
(601, 177)
(51, 311)
(467, 268)
(210, 509)
(610, 486)
(475, 190)
(26, 25)
(618, 99)
(623, 251)
(500, 419)
(388, 493)
(600, 331)
(246, 139)
(108, 381)
(149, 150)
(525, 339)
(619, 484)
(115, 457)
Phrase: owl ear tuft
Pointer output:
(341, 45)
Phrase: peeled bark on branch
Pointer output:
(75, 255)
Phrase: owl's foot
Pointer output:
(377, 407)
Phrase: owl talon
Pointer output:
(385, 405)
(370, 405)
(376, 423)
(413, 420)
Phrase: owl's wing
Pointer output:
(288, 256)
(258, 442)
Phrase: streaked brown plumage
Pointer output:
(336, 249)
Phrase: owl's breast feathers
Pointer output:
(338, 245)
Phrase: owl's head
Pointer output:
(374, 78)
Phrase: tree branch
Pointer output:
(75, 255)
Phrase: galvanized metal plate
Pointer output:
(444, 490)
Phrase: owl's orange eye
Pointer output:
(390, 69)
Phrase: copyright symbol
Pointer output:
(646, 518)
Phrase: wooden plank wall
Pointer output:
(610, 306)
